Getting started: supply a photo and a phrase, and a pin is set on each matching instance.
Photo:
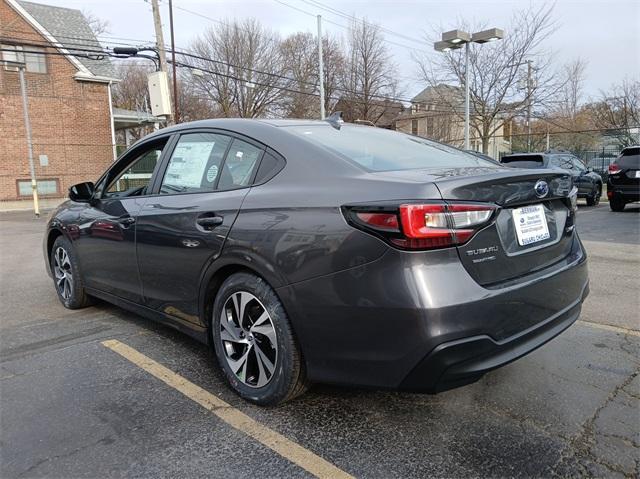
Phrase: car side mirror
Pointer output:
(82, 192)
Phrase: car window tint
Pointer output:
(195, 163)
(135, 178)
(562, 161)
(377, 149)
(555, 162)
(578, 165)
(239, 166)
(523, 161)
(269, 166)
(629, 158)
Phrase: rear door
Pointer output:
(182, 228)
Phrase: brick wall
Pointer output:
(69, 119)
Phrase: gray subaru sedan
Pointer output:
(317, 251)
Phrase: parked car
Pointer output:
(623, 184)
(588, 182)
(316, 251)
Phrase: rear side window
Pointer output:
(377, 149)
(269, 167)
(563, 162)
(195, 163)
(630, 158)
(523, 161)
(240, 165)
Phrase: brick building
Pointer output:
(69, 101)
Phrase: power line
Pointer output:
(306, 12)
(340, 13)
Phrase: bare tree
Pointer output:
(334, 69)
(300, 53)
(243, 69)
(498, 73)
(618, 110)
(571, 94)
(131, 92)
(97, 25)
(370, 76)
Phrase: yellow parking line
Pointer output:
(240, 421)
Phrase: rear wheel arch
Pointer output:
(213, 279)
(51, 238)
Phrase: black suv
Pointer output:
(623, 185)
(588, 182)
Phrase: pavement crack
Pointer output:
(582, 444)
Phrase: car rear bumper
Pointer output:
(629, 190)
(418, 320)
(464, 361)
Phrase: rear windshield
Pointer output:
(377, 149)
(523, 161)
(630, 158)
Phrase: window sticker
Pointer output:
(188, 164)
(212, 173)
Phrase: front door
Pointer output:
(106, 239)
(182, 228)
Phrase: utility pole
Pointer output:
(321, 67)
(157, 23)
(529, 95)
(27, 125)
(176, 111)
(466, 96)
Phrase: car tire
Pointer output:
(594, 199)
(616, 203)
(254, 342)
(66, 275)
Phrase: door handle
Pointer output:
(209, 222)
(128, 221)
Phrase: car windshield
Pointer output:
(377, 149)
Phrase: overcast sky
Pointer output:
(606, 33)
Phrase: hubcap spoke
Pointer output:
(238, 364)
(265, 329)
(228, 327)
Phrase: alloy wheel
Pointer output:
(249, 339)
(63, 273)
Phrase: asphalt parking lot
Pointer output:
(75, 403)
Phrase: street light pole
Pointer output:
(529, 93)
(466, 96)
(457, 39)
(27, 125)
(321, 67)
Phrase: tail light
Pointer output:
(614, 169)
(417, 226)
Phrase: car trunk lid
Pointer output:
(532, 229)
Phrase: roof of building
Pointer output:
(123, 119)
(69, 27)
(433, 93)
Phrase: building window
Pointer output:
(414, 127)
(430, 126)
(45, 187)
(33, 58)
